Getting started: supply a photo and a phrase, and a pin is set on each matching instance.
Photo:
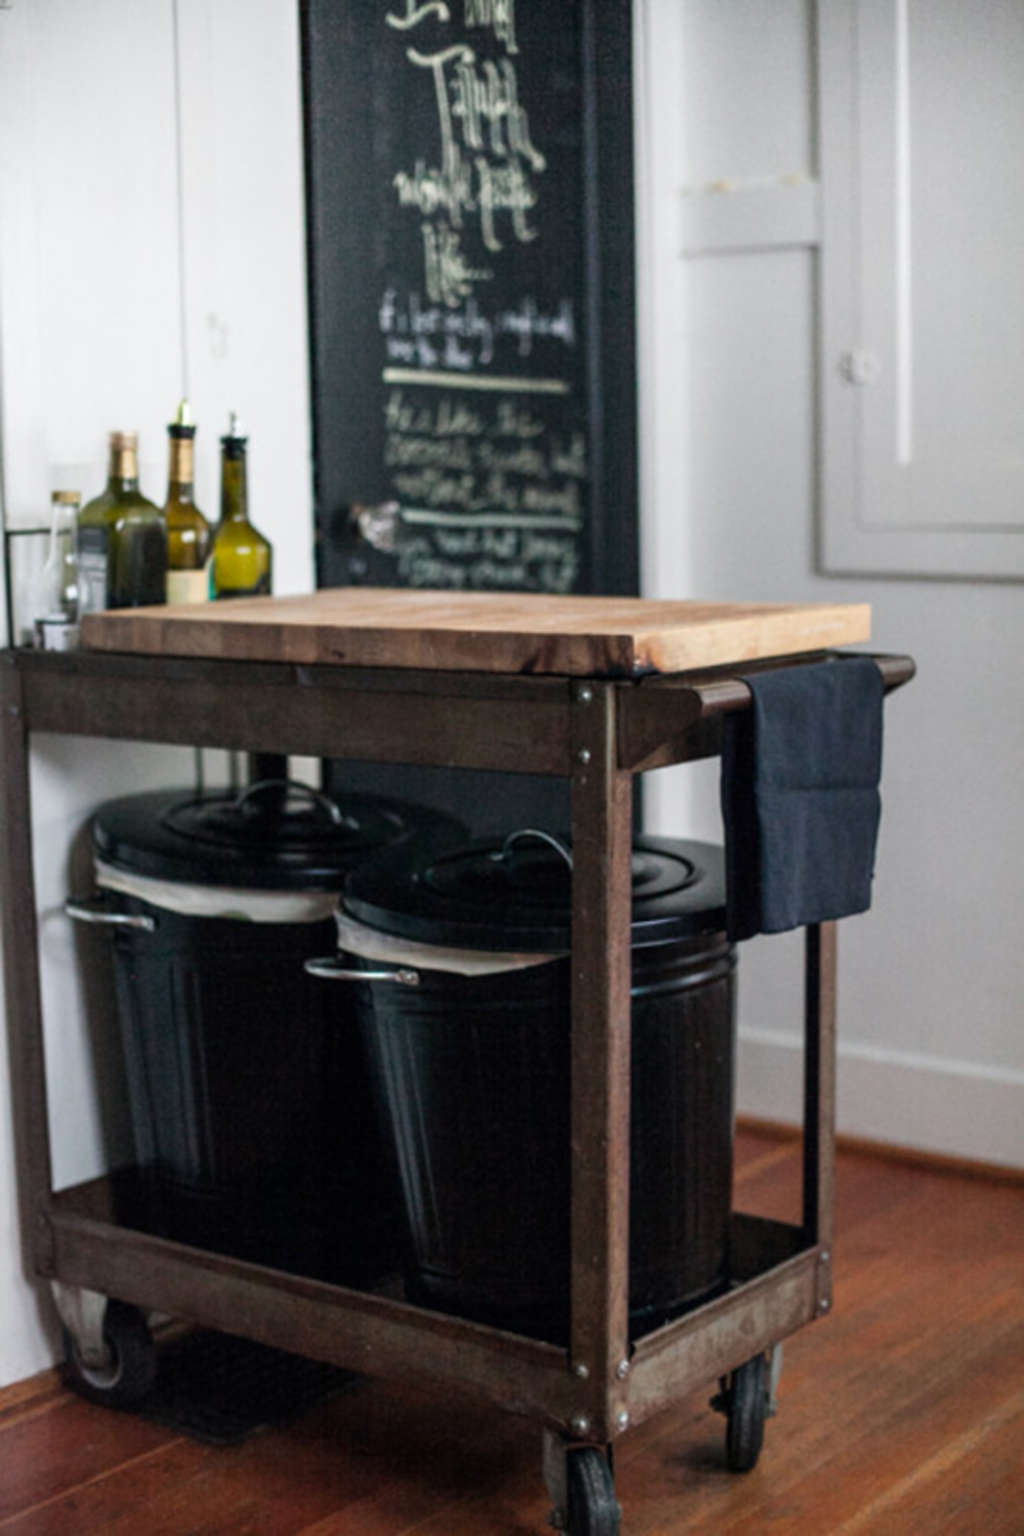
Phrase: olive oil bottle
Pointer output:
(189, 535)
(122, 538)
(242, 564)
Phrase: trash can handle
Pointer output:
(294, 786)
(90, 910)
(331, 969)
(544, 837)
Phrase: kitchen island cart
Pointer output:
(594, 690)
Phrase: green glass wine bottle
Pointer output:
(189, 535)
(242, 564)
(122, 538)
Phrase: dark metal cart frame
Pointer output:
(598, 732)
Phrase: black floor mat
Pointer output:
(220, 1389)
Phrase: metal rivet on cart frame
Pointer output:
(579, 1424)
(622, 1369)
(583, 756)
(584, 694)
(581, 1371)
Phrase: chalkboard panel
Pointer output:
(471, 285)
(470, 235)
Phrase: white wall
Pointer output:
(122, 288)
(932, 980)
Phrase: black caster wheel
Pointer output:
(746, 1407)
(131, 1370)
(593, 1508)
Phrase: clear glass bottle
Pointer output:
(242, 564)
(122, 538)
(56, 593)
(189, 535)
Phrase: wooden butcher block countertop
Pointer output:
(482, 632)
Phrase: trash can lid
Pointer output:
(270, 836)
(516, 894)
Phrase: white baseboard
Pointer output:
(956, 1108)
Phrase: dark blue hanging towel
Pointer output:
(800, 772)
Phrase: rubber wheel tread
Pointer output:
(593, 1508)
(132, 1372)
(747, 1410)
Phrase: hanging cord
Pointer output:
(179, 169)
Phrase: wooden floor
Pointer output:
(901, 1412)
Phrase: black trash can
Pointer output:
(255, 1131)
(472, 1066)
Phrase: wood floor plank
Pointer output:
(932, 1495)
(22, 1395)
(66, 1448)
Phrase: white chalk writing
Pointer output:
(464, 336)
(414, 14)
(486, 489)
(498, 15)
(487, 162)
(484, 450)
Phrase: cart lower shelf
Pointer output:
(777, 1288)
(112, 1358)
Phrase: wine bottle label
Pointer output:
(188, 586)
(260, 589)
(93, 564)
(56, 633)
(182, 465)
